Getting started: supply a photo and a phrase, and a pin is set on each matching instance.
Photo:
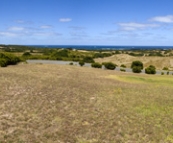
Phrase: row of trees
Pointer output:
(136, 66)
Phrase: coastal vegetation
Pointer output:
(96, 65)
(150, 70)
(8, 59)
(122, 58)
(137, 66)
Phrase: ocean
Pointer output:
(104, 47)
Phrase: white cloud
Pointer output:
(77, 28)
(8, 34)
(164, 19)
(131, 26)
(45, 26)
(65, 19)
(16, 28)
(20, 21)
(45, 34)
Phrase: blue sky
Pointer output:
(87, 22)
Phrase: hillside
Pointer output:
(70, 104)
(158, 62)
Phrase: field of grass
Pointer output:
(70, 104)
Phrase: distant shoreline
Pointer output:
(104, 47)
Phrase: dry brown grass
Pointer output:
(69, 104)
(158, 62)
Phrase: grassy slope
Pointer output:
(55, 103)
(158, 62)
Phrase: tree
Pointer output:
(137, 66)
(26, 54)
(81, 63)
(150, 70)
(96, 65)
(88, 59)
(110, 65)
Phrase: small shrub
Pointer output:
(123, 66)
(26, 54)
(71, 63)
(81, 63)
(165, 68)
(137, 69)
(162, 73)
(150, 70)
(88, 59)
(110, 65)
(167, 72)
(3, 62)
(137, 66)
(96, 65)
(123, 70)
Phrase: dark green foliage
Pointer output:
(102, 55)
(60, 53)
(109, 65)
(167, 72)
(123, 66)
(3, 62)
(123, 70)
(136, 54)
(96, 65)
(88, 59)
(98, 55)
(8, 59)
(166, 68)
(71, 63)
(137, 64)
(26, 54)
(150, 70)
(162, 73)
(81, 63)
(136, 69)
(107, 54)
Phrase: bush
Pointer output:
(123, 70)
(137, 66)
(88, 59)
(110, 65)
(162, 73)
(165, 68)
(26, 54)
(81, 63)
(123, 66)
(71, 63)
(3, 62)
(60, 53)
(136, 69)
(137, 63)
(150, 70)
(98, 55)
(96, 65)
(8, 59)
